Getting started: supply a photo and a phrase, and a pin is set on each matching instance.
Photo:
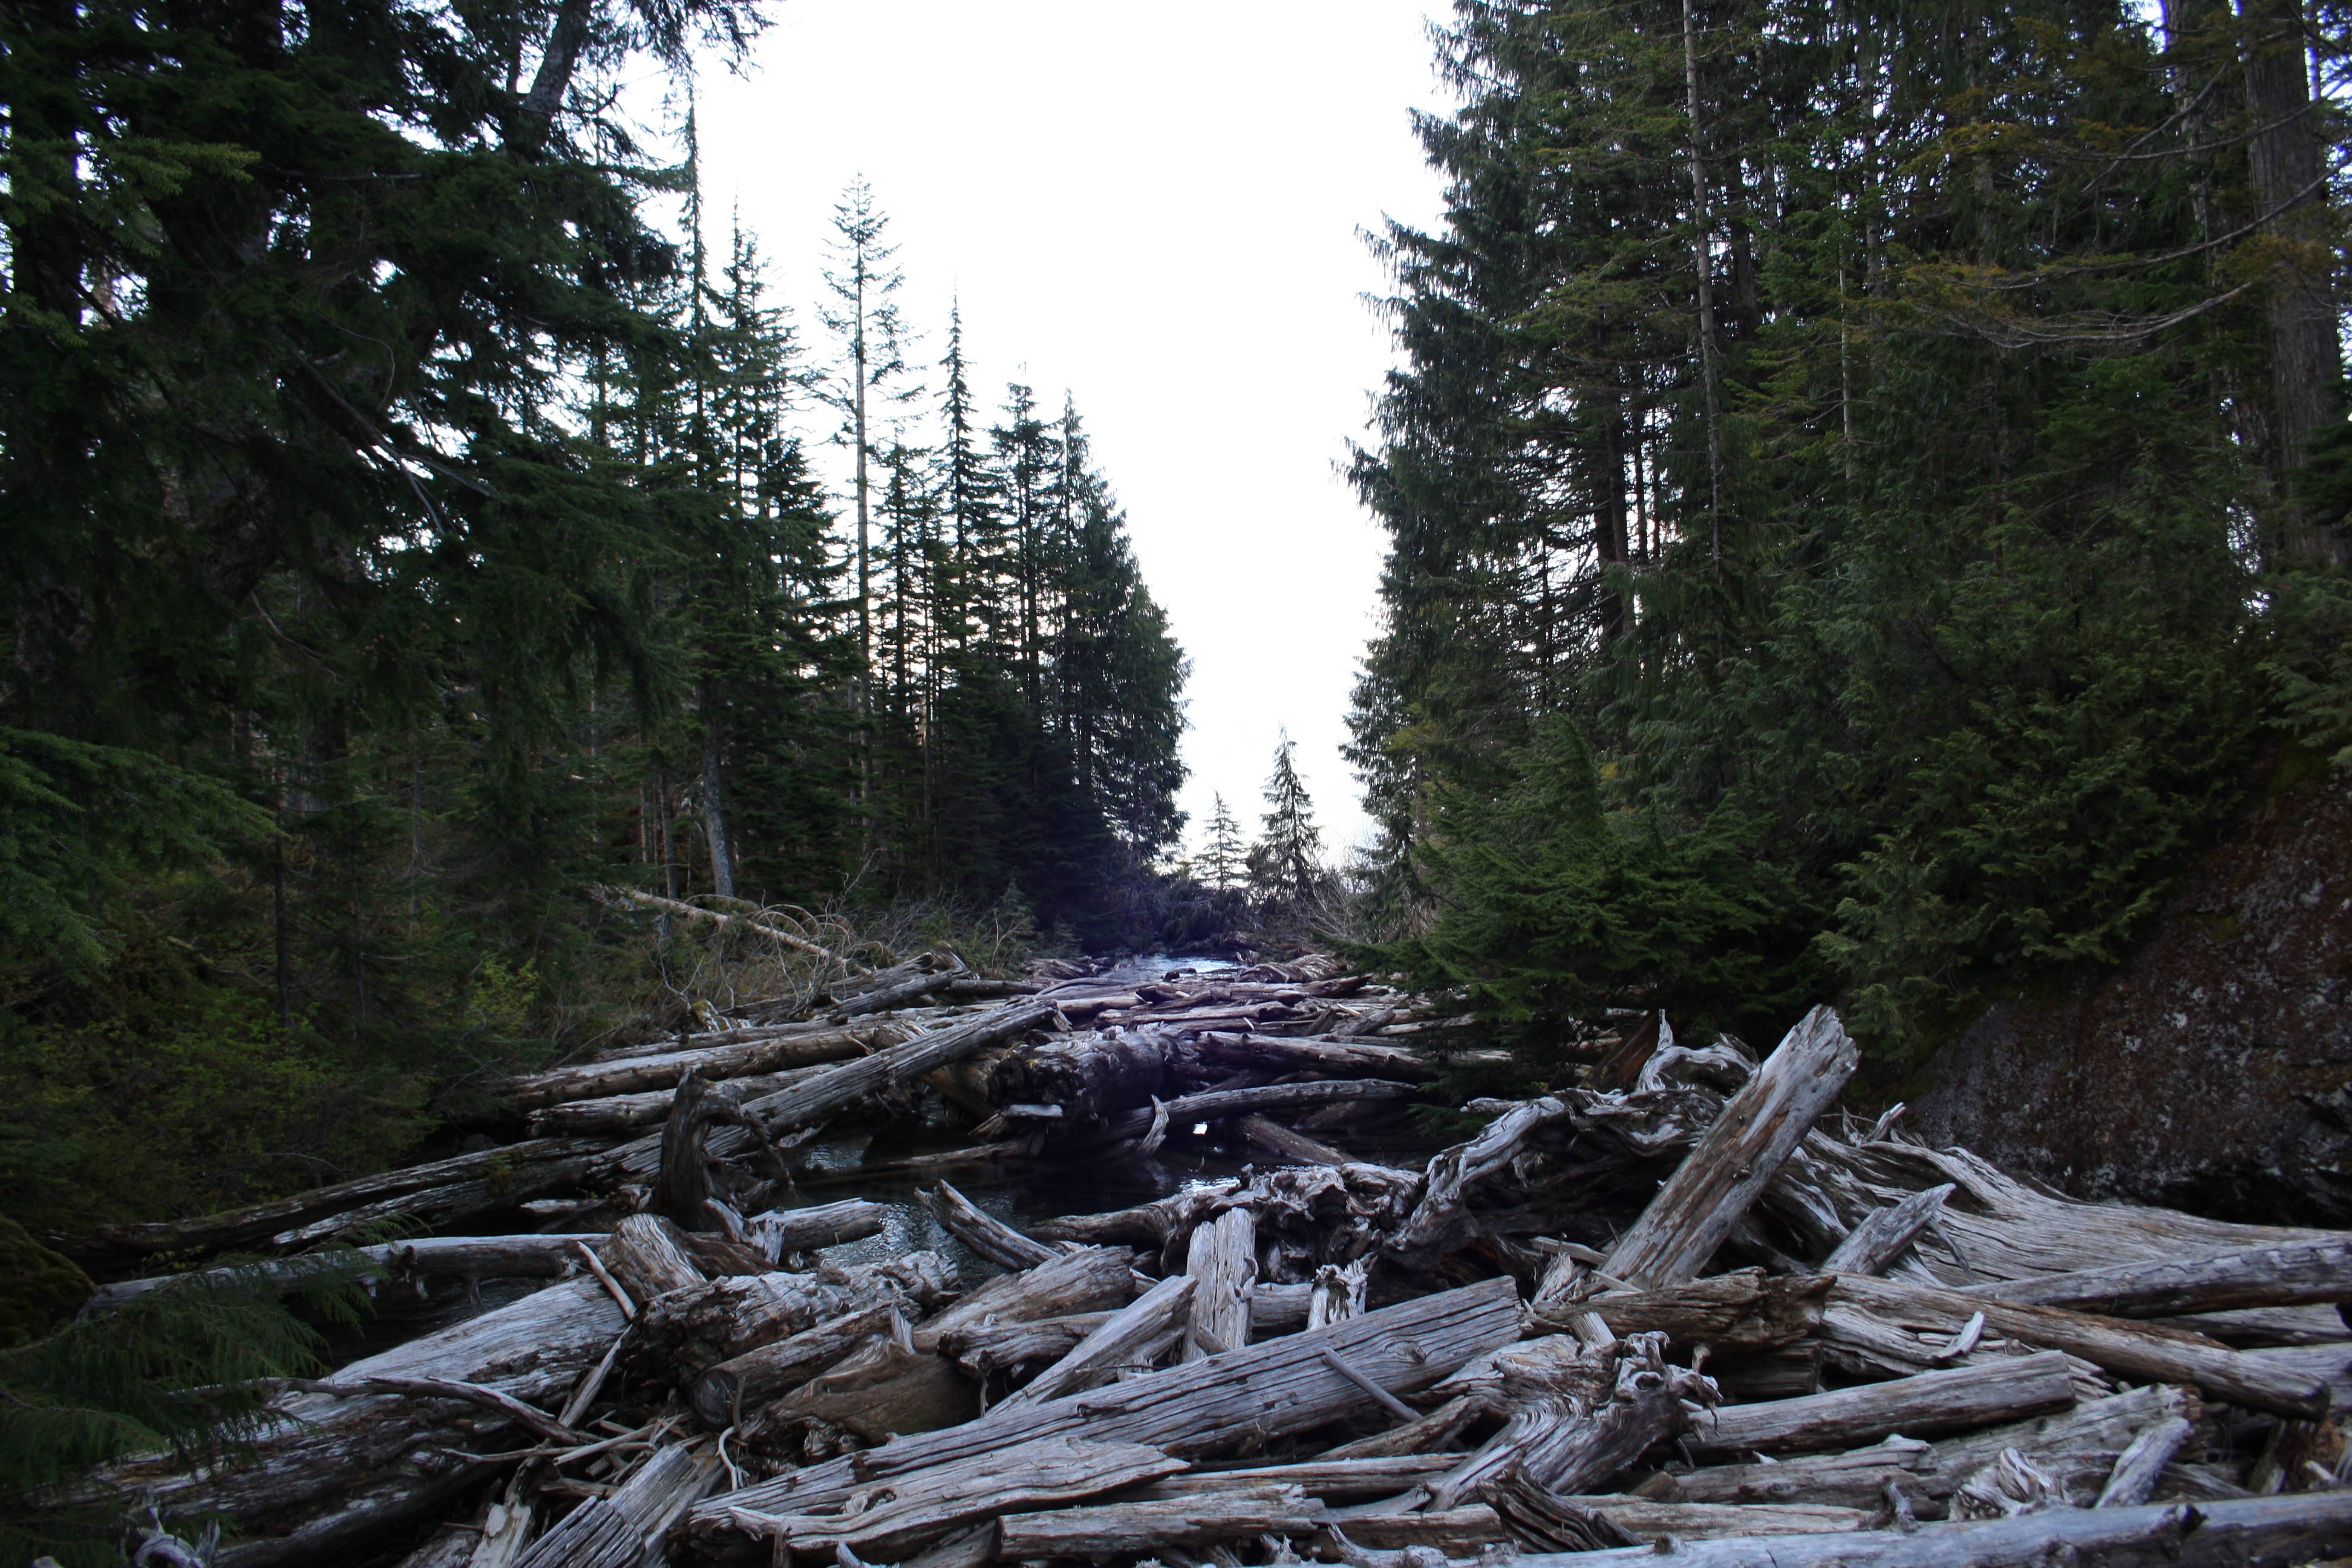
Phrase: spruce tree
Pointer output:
(1224, 860)
(1285, 865)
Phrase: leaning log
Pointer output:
(721, 1396)
(614, 1531)
(789, 1046)
(1132, 1527)
(464, 1256)
(1729, 1168)
(1218, 1104)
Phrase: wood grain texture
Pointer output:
(1731, 1165)
(1925, 1405)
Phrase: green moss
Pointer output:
(39, 1288)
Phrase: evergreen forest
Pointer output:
(1866, 489)
(423, 526)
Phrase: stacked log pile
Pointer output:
(1686, 1307)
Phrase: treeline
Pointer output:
(413, 525)
(1866, 488)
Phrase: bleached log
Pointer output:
(878, 1392)
(614, 1531)
(983, 1233)
(1646, 1520)
(1746, 1310)
(722, 1395)
(1855, 1478)
(613, 1114)
(1149, 1317)
(1925, 1405)
(445, 1188)
(749, 922)
(1263, 1392)
(1223, 1265)
(1888, 1233)
(2299, 1274)
(840, 1085)
(1088, 1279)
(2140, 1466)
(1151, 1224)
(1126, 1528)
(920, 1506)
(1441, 1219)
(1453, 1531)
(333, 1472)
(1435, 1433)
(987, 1349)
(2302, 1528)
(1723, 1174)
(897, 993)
(691, 1329)
(2137, 1351)
(1333, 1481)
(465, 1256)
(788, 1046)
(1279, 1308)
(647, 1254)
(1218, 1104)
(781, 1231)
(1592, 1427)
(1094, 1078)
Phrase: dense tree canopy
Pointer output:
(410, 530)
(1891, 449)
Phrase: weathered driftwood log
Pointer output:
(1646, 1520)
(1857, 1479)
(1296, 1147)
(619, 1113)
(1263, 1392)
(1223, 1265)
(781, 1231)
(983, 1233)
(1218, 1104)
(614, 1531)
(788, 1046)
(1434, 1434)
(519, 1171)
(2303, 1273)
(464, 1256)
(2004, 1229)
(918, 1507)
(986, 1349)
(723, 1394)
(1128, 1527)
(1087, 1279)
(1731, 1165)
(2140, 1466)
(1324, 1058)
(897, 993)
(1279, 1308)
(1151, 1224)
(684, 1188)
(1115, 1344)
(1441, 1218)
(1333, 1481)
(1886, 1234)
(2137, 1351)
(2077, 1445)
(2303, 1528)
(821, 1093)
(1747, 1310)
(688, 1330)
(1449, 1532)
(1925, 1405)
(647, 1254)
(1093, 1078)
(876, 1394)
(1570, 1440)
(335, 1472)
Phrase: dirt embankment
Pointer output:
(2213, 1071)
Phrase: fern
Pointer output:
(183, 1369)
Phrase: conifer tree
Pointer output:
(1285, 865)
(1224, 862)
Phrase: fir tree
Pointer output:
(1285, 865)
(1223, 861)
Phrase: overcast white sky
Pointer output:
(1157, 208)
